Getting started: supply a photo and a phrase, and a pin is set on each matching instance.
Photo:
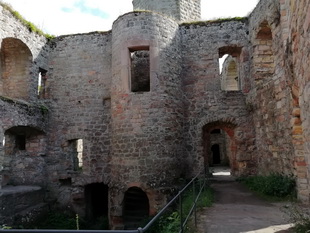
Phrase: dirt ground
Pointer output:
(237, 210)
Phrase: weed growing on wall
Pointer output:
(29, 25)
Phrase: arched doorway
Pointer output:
(219, 146)
(135, 208)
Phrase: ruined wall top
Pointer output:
(180, 10)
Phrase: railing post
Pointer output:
(181, 212)
(194, 200)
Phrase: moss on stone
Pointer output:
(6, 99)
(29, 25)
(44, 109)
(220, 20)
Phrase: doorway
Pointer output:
(216, 154)
(97, 200)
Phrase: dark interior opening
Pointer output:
(20, 142)
(140, 70)
(97, 200)
(216, 154)
(136, 208)
(216, 131)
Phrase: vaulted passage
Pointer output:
(136, 208)
(96, 196)
(219, 145)
(216, 154)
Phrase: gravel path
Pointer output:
(238, 210)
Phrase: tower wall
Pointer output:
(147, 125)
(180, 10)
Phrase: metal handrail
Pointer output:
(140, 229)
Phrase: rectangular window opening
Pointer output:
(140, 69)
(79, 148)
(42, 83)
(76, 150)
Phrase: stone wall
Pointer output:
(79, 98)
(190, 10)
(98, 129)
(206, 105)
(296, 15)
(21, 54)
(147, 126)
(23, 70)
(184, 10)
(279, 85)
(270, 96)
(20, 166)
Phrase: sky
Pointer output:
(62, 17)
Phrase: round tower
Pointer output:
(146, 110)
(180, 10)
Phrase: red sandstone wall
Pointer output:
(206, 105)
(79, 98)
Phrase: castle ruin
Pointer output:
(96, 121)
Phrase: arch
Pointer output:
(229, 75)
(136, 207)
(263, 57)
(217, 120)
(226, 139)
(16, 59)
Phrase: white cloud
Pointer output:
(211, 9)
(50, 17)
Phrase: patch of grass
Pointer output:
(29, 25)
(68, 221)
(170, 222)
(57, 220)
(302, 227)
(274, 187)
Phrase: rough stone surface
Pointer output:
(156, 136)
(180, 10)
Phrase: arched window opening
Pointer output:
(16, 60)
(263, 52)
(97, 202)
(136, 208)
(229, 57)
(229, 75)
